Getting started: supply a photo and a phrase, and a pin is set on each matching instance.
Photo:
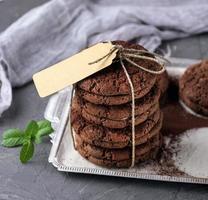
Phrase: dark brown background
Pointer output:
(40, 180)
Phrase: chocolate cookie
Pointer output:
(112, 80)
(118, 164)
(114, 99)
(119, 112)
(117, 157)
(193, 87)
(119, 123)
(117, 138)
(116, 83)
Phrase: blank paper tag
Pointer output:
(73, 69)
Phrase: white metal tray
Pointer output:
(65, 158)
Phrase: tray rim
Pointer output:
(114, 173)
(60, 123)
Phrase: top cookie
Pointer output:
(194, 87)
(113, 81)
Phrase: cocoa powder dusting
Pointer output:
(165, 161)
(176, 121)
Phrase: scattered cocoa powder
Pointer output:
(176, 122)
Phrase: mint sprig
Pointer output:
(33, 134)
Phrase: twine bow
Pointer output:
(127, 55)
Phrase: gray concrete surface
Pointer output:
(39, 180)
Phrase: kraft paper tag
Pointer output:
(73, 69)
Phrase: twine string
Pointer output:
(132, 110)
(145, 69)
(143, 52)
(105, 56)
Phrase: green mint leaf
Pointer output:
(45, 131)
(45, 128)
(10, 132)
(27, 151)
(32, 128)
(43, 124)
(13, 137)
(41, 133)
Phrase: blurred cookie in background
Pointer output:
(193, 88)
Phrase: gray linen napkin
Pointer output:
(60, 28)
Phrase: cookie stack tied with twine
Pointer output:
(115, 115)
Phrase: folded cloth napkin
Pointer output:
(60, 28)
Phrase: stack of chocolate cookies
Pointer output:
(101, 114)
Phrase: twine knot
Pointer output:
(130, 54)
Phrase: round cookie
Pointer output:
(116, 83)
(113, 100)
(112, 81)
(119, 164)
(117, 157)
(117, 154)
(91, 118)
(117, 138)
(193, 87)
(117, 124)
(119, 112)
